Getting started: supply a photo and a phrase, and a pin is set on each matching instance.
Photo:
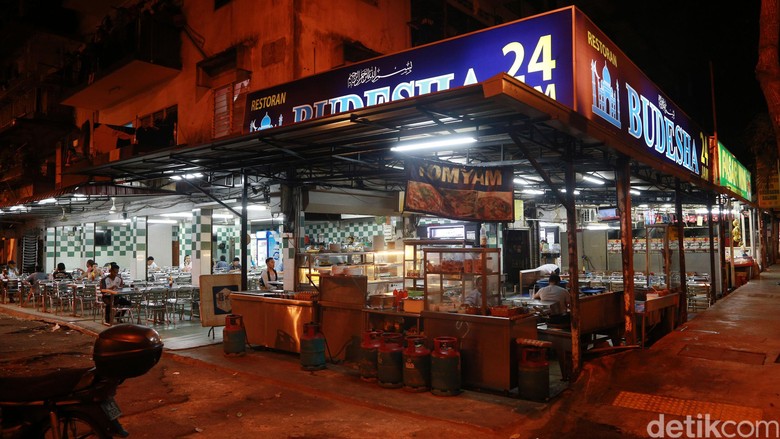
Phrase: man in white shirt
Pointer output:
(548, 269)
(109, 286)
(555, 293)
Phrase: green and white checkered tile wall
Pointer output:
(122, 244)
(340, 232)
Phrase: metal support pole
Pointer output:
(711, 228)
(623, 183)
(722, 226)
(682, 316)
(753, 234)
(574, 290)
(244, 231)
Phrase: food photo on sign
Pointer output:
(450, 190)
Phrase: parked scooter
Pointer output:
(79, 403)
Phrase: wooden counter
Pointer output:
(272, 322)
(661, 311)
(487, 345)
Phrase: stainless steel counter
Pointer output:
(273, 321)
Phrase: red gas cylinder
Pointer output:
(534, 370)
(389, 363)
(234, 335)
(368, 355)
(445, 367)
(417, 364)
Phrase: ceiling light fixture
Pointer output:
(592, 179)
(437, 143)
(635, 192)
(178, 214)
(161, 221)
(533, 191)
(47, 201)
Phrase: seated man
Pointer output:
(110, 286)
(555, 293)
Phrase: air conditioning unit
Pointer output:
(586, 215)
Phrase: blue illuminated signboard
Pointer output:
(537, 51)
(611, 91)
(561, 54)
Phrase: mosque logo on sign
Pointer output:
(606, 100)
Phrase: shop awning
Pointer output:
(353, 149)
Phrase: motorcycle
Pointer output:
(79, 403)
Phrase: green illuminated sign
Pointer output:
(732, 174)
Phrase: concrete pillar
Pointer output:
(202, 253)
(141, 233)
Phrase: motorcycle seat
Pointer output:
(51, 385)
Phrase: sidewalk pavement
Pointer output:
(722, 364)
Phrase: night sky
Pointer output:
(673, 42)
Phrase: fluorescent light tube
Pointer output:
(437, 143)
(161, 221)
(592, 179)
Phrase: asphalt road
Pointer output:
(181, 398)
(185, 397)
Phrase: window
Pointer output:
(229, 103)
(158, 129)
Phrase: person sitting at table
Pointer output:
(186, 267)
(36, 277)
(236, 265)
(555, 293)
(474, 297)
(222, 264)
(93, 272)
(110, 285)
(13, 272)
(60, 273)
(268, 275)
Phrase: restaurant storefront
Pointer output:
(552, 102)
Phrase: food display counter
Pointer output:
(273, 320)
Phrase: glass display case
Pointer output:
(414, 268)
(466, 280)
(384, 269)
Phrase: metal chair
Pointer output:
(155, 304)
(182, 302)
(128, 312)
(93, 299)
(12, 290)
